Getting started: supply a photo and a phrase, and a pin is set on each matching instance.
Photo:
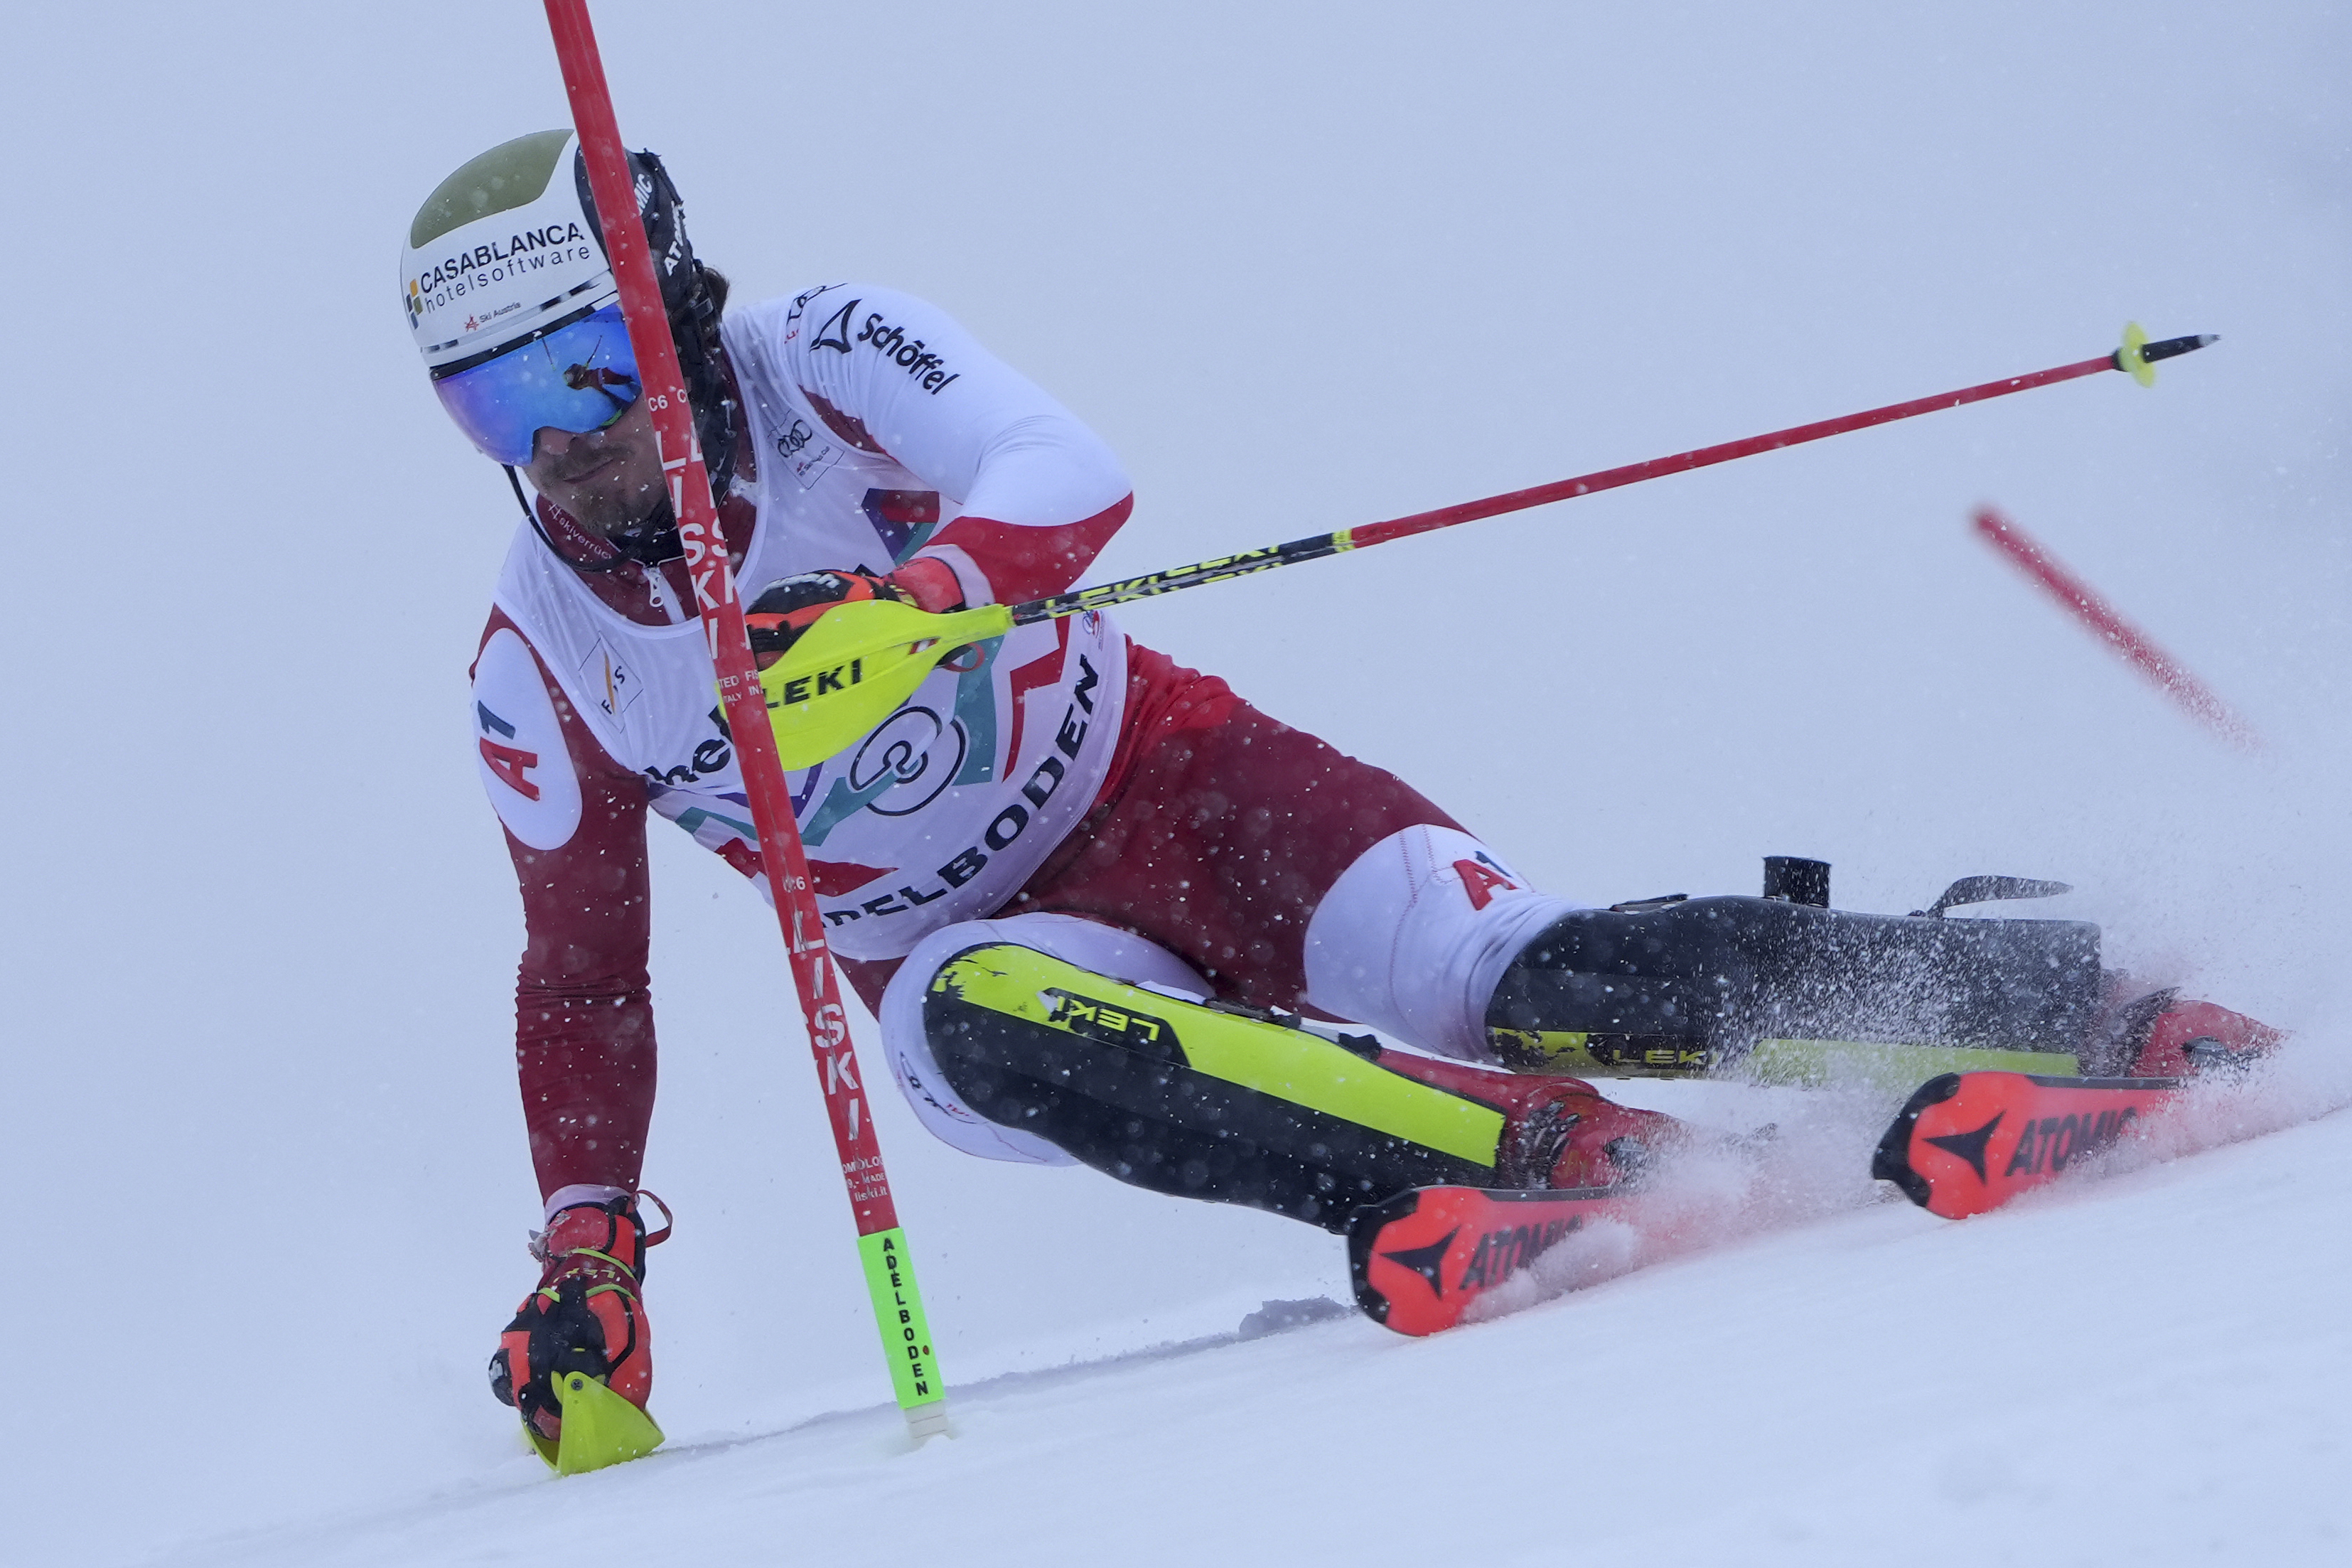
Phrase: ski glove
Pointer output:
(790, 605)
(587, 1314)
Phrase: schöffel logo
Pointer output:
(929, 371)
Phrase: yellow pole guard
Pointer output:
(853, 669)
(2129, 358)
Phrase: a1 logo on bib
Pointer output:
(609, 684)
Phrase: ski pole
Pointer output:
(881, 1243)
(2080, 600)
(2138, 356)
(851, 669)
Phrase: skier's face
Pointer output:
(609, 479)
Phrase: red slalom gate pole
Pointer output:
(890, 1276)
(2105, 623)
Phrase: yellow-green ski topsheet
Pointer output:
(1582, 1055)
(1861, 1064)
(1807, 1064)
(1273, 1059)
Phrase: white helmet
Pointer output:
(507, 254)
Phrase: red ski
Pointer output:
(1967, 1142)
(1420, 1259)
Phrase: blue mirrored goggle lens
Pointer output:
(577, 378)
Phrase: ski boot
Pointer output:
(2158, 1034)
(581, 1337)
(1680, 987)
(1558, 1132)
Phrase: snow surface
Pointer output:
(2151, 1367)
(1303, 266)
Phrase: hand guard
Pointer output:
(790, 605)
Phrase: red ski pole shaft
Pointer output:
(1705, 456)
(890, 1279)
(2136, 356)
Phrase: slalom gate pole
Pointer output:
(2081, 601)
(2138, 357)
(882, 1245)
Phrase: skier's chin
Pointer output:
(609, 509)
(617, 513)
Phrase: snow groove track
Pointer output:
(2153, 1368)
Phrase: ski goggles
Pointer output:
(577, 378)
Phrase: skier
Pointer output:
(1105, 911)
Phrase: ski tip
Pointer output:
(2140, 356)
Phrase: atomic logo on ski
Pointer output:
(2053, 1142)
(1970, 1146)
(1967, 1142)
(1427, 1261)
(1503, 1253)
(1458, 1243)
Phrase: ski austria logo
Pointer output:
(800, 302)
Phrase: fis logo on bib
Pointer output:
(611, 686)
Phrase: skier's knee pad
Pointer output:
(926, 1081)
(1695, 983)
(1412, 937)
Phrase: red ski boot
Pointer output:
(2158, 1034)
(1558, 1131)
(2179, 1040)
(586, 1316)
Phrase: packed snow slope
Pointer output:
(1303, 266)
(2153, 1368)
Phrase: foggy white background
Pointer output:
(1303, 266)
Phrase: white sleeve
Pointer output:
(904, 374)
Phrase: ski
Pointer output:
(1419, 1260)
(1967, 1142)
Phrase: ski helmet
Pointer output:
(504, 255)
